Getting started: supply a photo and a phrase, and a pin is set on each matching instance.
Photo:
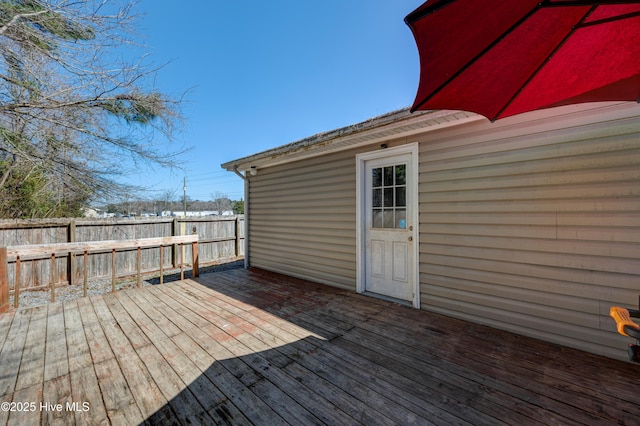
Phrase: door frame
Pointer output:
(361, 212)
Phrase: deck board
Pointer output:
(252, 347)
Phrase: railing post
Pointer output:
(194, 254)
(16, 285)
(182, 253)
(84, 282)
(53, 277)
(113, 270)
(4, 281)
(139, 266)
(161, 262)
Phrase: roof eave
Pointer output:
(396, 124)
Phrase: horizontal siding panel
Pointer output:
(581, 177)
(597, 219)
(524, 231)
(596, 285)
(300, 205)
(478, 218)
(611, 234)
(300, 243)
(547, 152)
(335, 267)
(582, 205)
(557, 192)
(301, 223)
(307, 188)
(510, 301)
(304, 271)
(627, 221)
(537, 289)
(559, 260)
(558, 246)
(339, 269)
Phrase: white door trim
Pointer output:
(361, 212)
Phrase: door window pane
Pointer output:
(388, 218)
(377, 218)
(389, 197)
(376, 177)
(377, 197)
(388, 176)
(401, 174)
(401, 219)
(401, 196)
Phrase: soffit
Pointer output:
(397, 124)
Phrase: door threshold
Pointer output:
(388, 298)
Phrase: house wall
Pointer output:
(529, 224)
(533, 226)
(302, 219)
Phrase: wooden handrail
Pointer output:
(41, 251)
(31, 252)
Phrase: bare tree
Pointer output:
(221, 202)
(72, 108)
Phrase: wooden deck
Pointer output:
(251, 347)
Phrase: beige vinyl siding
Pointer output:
(303, 218)
(534, 227)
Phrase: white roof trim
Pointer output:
(397, 124)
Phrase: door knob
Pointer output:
(410, 239)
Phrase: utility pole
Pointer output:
(185, 196)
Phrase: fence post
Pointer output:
(237, 231)
(4, 281)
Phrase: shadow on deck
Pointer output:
(252, 347)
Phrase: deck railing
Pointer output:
(19, 254)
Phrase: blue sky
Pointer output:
(260, 74)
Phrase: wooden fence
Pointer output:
(220, 239)
(18, 254)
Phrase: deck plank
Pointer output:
(120, 335)
(5, 326)
(31, 415)
(84, 382)
(11, 354)
(119, 400)
(56, 362)
(85, 389)
(32, 364)
(57, 393)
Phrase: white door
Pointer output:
(388, 216)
